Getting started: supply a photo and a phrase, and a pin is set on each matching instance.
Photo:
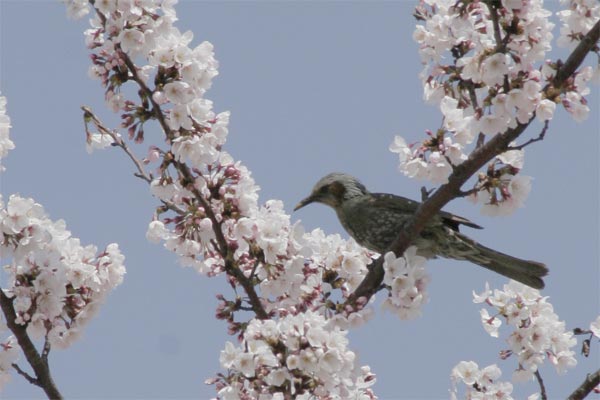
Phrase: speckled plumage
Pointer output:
(374, 220)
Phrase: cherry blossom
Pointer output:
(538, 334)
(483, 67)
(5, 143)
(299, 354)
(479, 383)
(595, 327)
(406, 280)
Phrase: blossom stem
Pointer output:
(25, 375)
(536, 139)
(88, 115)
(538, 376)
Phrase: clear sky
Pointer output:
(313, 87)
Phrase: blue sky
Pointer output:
(313, 87)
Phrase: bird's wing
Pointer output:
(404, 205)
(454, 221)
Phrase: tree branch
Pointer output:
(496, 24)
(25, 375)
(589, 383)
(230, 266)
(461, 173)
(537, 139)
(186, 173)
(38, 364)
(575, 59)
(88, 115)
(543, 394)
(46, 350)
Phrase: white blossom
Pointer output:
(98, 141)
(545, 110)
(5, 143)
(479, 383)
(538, 334)
(407, 280)
(65, 282)
(595, 327)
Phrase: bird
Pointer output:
(375, 220)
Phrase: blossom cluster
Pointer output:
(55, 283)
(538, 334)
(214, 209)
(302, 355)
(485, 69)
(127, 31)
(481, 384)
(492, 83)
(406, 279)
(577, 19)
(210, 216)
(501, 190)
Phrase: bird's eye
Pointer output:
(323, 190)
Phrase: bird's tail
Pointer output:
(527, 272)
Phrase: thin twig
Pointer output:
(543, 394)
(533, 140)
(25, 375)
(88, 116)
(472, 94)
(156, 110)
(579, 331)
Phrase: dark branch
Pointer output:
(38, 364)
(541, 383)
(25, 375)
(230, 266)
(496, 24)
(461, 173)
(46, 350)
(156, 110)
(537, 139)
(575, 59)
(590, 382)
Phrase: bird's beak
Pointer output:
(304, 202)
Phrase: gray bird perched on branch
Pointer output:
(374, 220)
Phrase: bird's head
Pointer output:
(333, 190)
